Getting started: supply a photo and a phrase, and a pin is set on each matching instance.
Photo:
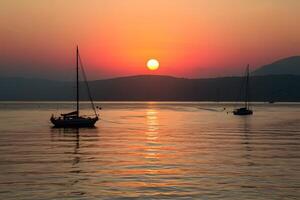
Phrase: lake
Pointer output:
(151, 150)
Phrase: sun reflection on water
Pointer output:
(152, 134)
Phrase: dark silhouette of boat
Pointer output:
(73, 119)
(246, 109)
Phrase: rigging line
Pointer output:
(110, 121)
(212, 109)
(124, 128)
(87, 85)
(240, 94)
(249, 87)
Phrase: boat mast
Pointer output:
(77, 81)
(247, 88)
(87, 85)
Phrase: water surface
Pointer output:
(150, 150)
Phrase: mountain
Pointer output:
(285, 66)
(155, 88)
(34, 89)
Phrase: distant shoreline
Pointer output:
(142, 102)
(277, 88)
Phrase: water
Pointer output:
(151, 151)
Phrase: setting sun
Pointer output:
(153, 64)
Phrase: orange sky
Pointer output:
(190, 38)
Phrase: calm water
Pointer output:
(151, 151)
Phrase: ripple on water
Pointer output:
(151, 151)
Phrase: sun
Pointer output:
(153, 64)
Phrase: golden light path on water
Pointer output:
(152, 134)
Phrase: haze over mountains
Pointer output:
(283, 86)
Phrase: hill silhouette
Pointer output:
(155, 88)
(284, 66)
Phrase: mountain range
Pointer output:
(290, 65)
(264, 87)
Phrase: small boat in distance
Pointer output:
(246, 109)
(73, 119)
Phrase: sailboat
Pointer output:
(246, 109)
(73, 119)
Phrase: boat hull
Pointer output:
(243, 111)
(74, 122)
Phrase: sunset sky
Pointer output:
(190, 38)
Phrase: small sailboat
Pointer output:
(73, 119)
(271, 102)
(246, 109)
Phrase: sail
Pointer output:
(74, 113)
